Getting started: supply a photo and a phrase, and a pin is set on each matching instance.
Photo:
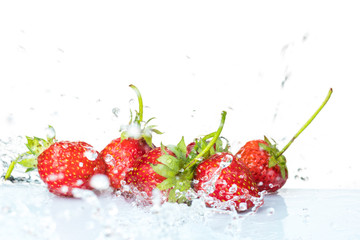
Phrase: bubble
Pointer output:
(100, 182)
(233, 189)
(50, 132)
(109, 158)
(91, 154)
(134, 130)
(64, 189)
(55, 177)
(116, 111)
(79, 182)
(270, 211)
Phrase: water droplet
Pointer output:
(79, 182)
(50, 132)
(64, 189)
(109, 159)
(81, 164)
(91, 154)
(100, 182)
(233, 189)
(116, 111)
(134, 130)
(270, 211)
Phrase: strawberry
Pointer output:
(266, 163)
(169, 169)
(121, 153)
(68, 165)
(226, 184)
(269, 173)
(62, 165)
(149, 172)
(223, 182)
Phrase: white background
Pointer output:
(269, 64)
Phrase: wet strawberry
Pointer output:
(170, 169)
(68, 165)
(269, 173)
(266, 163)
(226, 184)
(121, 154)
(63, 165)
(149, 172)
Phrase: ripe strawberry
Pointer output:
(144, 177)
(226, 184)
(62, 165)
(266, 163)
(68, 165)
(169, 169)
(121, 153)
(269, 172)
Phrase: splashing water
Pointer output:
(109, 216)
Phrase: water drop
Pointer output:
(50, 132)
(81, 164)
(233, 189)
(270, 211)
(64, 189)
(91, 154)
(116, 111)
(100, 182)
(109, 159)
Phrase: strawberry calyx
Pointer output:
(137, 128)
(275, 158)
(36, 146)
(179, 170)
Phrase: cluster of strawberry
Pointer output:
(135, 167)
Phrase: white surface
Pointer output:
(30, 212)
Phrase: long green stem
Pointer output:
(306, 124)
(210, 144)
(10, 169)
(141, 107)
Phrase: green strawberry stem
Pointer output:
(10, 169)
(211, 143)
(306, 124)
(35, 146)
(141, 107)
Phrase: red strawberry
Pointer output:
(225, 184)
(268, 174)
(144, 178)
(169, 169)
(121, 153)
(68, 165)
(63, 165)
(266, 163)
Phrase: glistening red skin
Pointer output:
(119, 156)
(143, 177)
(66, 165)
(257, 160)
(233, 182)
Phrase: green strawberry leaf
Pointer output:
(30, 169)
(163, 170)
(28, 161)
(170, 161)
(166, 184)
(148, 139)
